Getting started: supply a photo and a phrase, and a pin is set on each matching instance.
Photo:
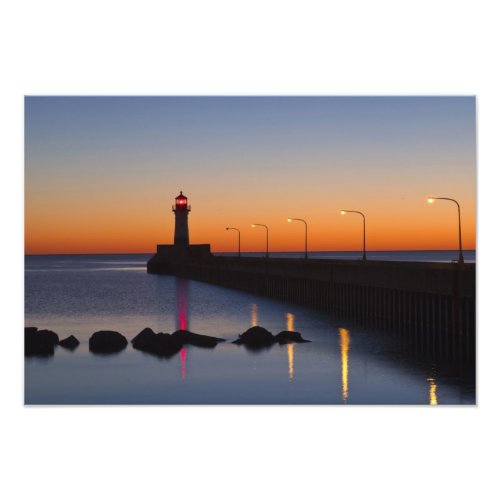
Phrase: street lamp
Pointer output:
(460, 255)
(239, 239)
(343, 212)
(267, 237)
(301, 220)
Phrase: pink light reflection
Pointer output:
(182, 303)
(183, 363)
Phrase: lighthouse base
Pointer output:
(167, 257)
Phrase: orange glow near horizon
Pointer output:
(102, 224)
(102, 172)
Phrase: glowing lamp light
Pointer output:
(267, 237)
(344, 212)
(460, 254)
(239, 238)
(290, 219)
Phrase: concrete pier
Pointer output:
(431, 306)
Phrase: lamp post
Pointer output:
(301, 220)
(239, 239)
(460, 254)
(267, 237)
(343, 212)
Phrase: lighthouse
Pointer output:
(170, 258)
(181, 210)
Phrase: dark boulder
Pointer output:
(50, 335)
(142, 336)
(107, 342)
(288, 337)
(70, 342)
(186, 337)
(160, 344)
(39, 342)
(256, 337)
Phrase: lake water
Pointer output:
(343, 364)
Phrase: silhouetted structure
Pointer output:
(430, 305)
(168, 256)
(181, 210)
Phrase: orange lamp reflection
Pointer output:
(290, 348)
(290, 326)
(433, 400)
(344, 341)
(255, 311)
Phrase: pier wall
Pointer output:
(431, 306)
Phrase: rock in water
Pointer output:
(142, 336)
(159, 344)
(107, 342)
(70, 342)
(50, 335)
(256, 337)
(39, 342)
(186, 337)
(288, 337)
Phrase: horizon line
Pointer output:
(257, 251)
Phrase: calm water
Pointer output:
(82, 294)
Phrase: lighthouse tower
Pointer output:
(181, 210)
(168, 258)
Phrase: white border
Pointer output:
(228, 47)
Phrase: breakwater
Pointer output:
(431, 306)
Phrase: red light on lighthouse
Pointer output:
(181, 202)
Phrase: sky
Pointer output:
(102, 173)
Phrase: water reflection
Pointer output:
(183, 363)
(236, 376)
(290, 348)
(181, 286)
(433, 399)
(255, 311)
(290, 326)
(344, 340)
